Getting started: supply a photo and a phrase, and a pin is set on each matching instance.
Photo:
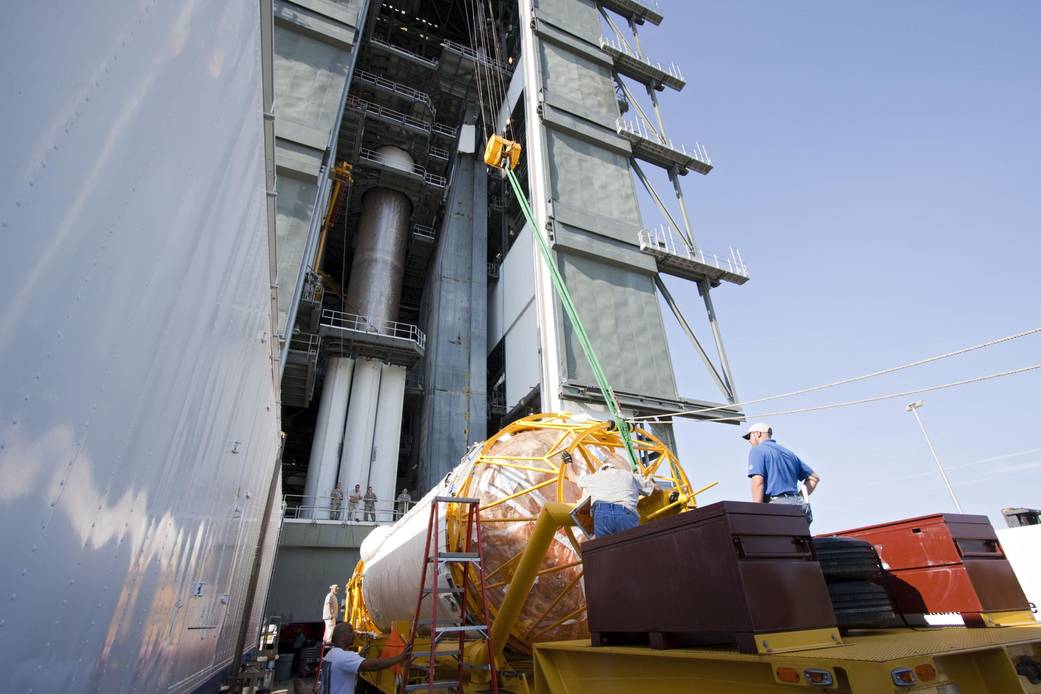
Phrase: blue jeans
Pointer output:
(612, 518)
(794, 500)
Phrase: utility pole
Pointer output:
(913, 409)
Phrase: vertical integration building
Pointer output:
(251, 251)
(415, 316)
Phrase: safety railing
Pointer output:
(438, 153)
(497, 401)
(474, 55)
(351, 321)
(442, 129)
(412, 55)
(423, 233)
(313, 290)
(673, 69)
(697, 150)
(308, 343)
(366, 77)
(329, 508)
(415, 169)
(414, 380)
(663, 239)
(387, 114)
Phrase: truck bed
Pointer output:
(978, 660)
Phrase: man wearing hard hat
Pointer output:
(776, 472)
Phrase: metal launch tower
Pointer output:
(415, 316)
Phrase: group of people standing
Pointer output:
(368, 503)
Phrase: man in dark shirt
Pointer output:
(776, 472)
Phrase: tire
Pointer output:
(846, 558)
(861, 605)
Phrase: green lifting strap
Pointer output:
(576, 322)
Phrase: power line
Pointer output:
(844, 381)
(1006, 456)
(864, 401)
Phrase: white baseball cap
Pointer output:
(759, 426)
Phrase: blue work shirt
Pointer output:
(781, 469)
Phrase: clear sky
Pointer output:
(879, 166)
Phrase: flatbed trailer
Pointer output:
(945, 660)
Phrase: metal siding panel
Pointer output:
(293, 214)
(591, 177)
(619, 309)
(523, 357)
(576, 16)
(309, 79)
(585, 86)
(302, 577)
(495, 312)
(516, 274)
(137, 322)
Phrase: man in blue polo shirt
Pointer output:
(776, 472)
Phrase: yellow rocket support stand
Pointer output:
(551, 518)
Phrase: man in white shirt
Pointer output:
(340, 667)
(614, 493)
(330, 609)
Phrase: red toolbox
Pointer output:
(946, 562)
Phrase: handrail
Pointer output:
(396, 87)
(415, 169)
(387, 113)
(442, 129)
(353, 321)
(315, 507)
(424, 231)
(305, 342)
(474, 55)
(673, 69)
(662, 239)
(399, 117)
(379, 41)
(698, 151)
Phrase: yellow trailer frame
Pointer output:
(944, 660)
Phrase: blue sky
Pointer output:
(879, 166)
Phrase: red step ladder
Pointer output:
(449, 634)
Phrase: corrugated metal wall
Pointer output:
(138, 414)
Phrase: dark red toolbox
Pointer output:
(718, 574)
(946, 562)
